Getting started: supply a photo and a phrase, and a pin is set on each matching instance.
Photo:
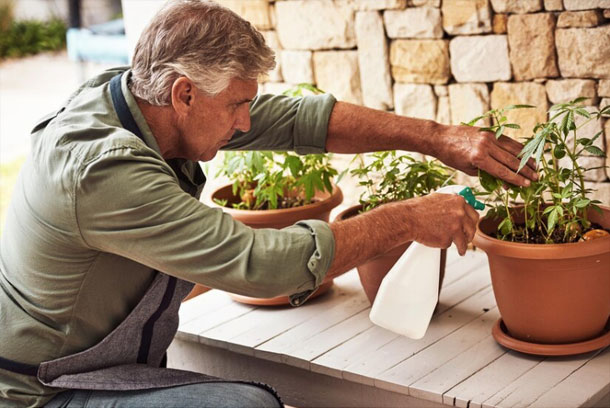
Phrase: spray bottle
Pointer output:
(408, 294)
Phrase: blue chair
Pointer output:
(104, 43)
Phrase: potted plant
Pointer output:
(549, 255)
(277, 189)
(390, 176)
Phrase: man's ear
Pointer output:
(183, 94)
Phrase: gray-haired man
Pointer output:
(105, 232)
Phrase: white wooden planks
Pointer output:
(200, 305)
(332, 312)
(370, 367)
(584, 386)
(484, 383)
(400, 377)
(533, 384)
(456, 363)
(464, 277)
(433, 386)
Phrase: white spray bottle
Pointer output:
(408, 294)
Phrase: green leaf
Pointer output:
(582, 112)
(539, 151)
(552, 219)
(582, 203)
(294, 164)
(548, 209)
(488, 182)
(473, 121)
(499, 131)
(512, 125)
(596, 151)
(505, 226)
(578, 100)
(559, 152)
(511, 107)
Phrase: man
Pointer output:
(105, 233)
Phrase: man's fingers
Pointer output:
(512, 162)
(497, 169)
(472, 214)
(515, 148)
(460, 243)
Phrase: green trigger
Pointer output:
(470, 199)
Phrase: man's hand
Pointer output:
(467, 149)
(438, 220)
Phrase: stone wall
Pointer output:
(448, 60)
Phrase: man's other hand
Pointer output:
(467, 149)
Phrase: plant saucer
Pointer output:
(500, 333)
(280, 300)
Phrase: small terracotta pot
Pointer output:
(550, 294)
(319, 210)
(371, 273)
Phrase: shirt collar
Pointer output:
(147, 134)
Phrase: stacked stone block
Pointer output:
(448, 60)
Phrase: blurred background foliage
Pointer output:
(28, 37)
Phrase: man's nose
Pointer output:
(242, 122)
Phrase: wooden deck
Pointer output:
(328, 353)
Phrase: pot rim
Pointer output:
(540, 251)
(325, 204)
(342, 215)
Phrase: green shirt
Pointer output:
(96, 210)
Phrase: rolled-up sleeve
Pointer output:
(321, 258)
(129, 204)
(283, 123)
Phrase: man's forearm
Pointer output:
(435, 220)
(363, 237)
(356, 129)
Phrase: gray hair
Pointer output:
(201, 40)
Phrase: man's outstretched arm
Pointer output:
(356, 129)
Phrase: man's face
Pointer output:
(212, 121)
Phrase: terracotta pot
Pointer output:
(550, 294)
(319, 210)
(371, 273)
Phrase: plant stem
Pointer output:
(505, 198)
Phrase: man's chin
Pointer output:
(207, 156)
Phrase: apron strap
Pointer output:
(121, 108)
(19, 368)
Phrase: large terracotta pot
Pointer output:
(318, 210)
(371, 273)
(550, 294)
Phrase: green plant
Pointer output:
(391, 176)
(270, 180)
(20, 38)
(555, 206)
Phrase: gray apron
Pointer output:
(132, 356)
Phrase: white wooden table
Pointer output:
(327, 353)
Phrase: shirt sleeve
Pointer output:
(280, 122)
(129, 203)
